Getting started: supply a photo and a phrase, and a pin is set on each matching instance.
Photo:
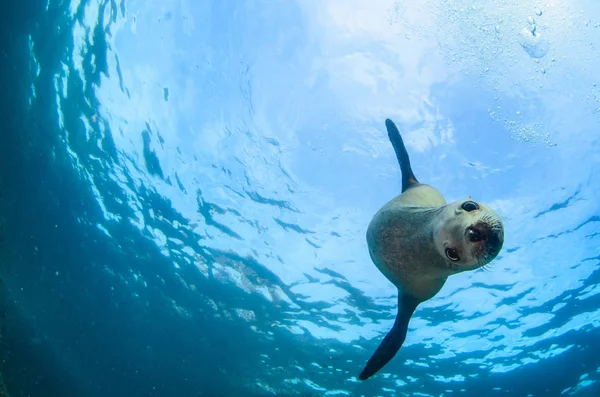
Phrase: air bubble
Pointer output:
(538, 12)
(535, 45)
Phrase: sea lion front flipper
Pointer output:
(408, 178)
(394, 339)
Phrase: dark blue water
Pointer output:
(164, 232)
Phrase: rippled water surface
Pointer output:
(185, 188)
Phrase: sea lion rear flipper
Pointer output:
(408, 178)
(394, 339)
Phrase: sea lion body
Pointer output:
(417, 240)
(399, 237)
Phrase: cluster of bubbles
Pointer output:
(532, 42)
(525, 132)
(510, 50)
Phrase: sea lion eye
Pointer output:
(452, 254)
(469, 206)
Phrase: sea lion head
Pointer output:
(468, 235)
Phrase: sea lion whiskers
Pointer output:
(494, 222)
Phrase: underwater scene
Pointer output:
(384, 198)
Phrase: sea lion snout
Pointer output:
(487, 238)
(494, 242)
(481, 231)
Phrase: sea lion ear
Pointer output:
(394, 339)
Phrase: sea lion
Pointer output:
(417, 240)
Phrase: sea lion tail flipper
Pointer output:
(408, 178)
(394, 339)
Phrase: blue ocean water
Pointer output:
(185, 188)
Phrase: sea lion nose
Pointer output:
(475, 235)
